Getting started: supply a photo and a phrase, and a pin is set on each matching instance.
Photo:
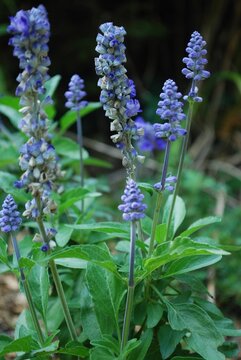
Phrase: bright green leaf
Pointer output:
(178, 214)
(39, 286)
(107, 292)
(140, 352)
(200, 224)
(154, 314)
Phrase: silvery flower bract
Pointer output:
(75, 94)
(170, 109)
(133, 208)
(10, 218)
(117, 90)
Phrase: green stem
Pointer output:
(63, 301)
(80, 142)
(155, 222)
(180, 166)
(27, 292)
(57, 281)
(131, 288)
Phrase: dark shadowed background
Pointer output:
(157, 34)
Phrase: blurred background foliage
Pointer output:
(157, 34)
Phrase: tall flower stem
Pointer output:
(159, 198)
(180, 165)
(80, 142)
(57, 282)
(131, 288)
(27, 292)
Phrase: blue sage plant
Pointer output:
(133, 285)
(30, 32)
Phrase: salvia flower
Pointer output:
(195, 63)
(38, 160)
(10, 218)
(75, 94)
(170, 109)
(148, 142)
(133, 208)
(117, 90)
(31, 31)
(169, 185)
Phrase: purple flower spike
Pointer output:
(10, 218)
(170, 109)
(195, 63)
(133, 208)
(75, 94)
(169, 184)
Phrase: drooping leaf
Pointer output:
(74, 348)
(107, 292)
(154, 314)
(23, 344)
(204, 337)
(168, 340)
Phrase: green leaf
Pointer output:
(146, 225)
(199, 224)
(106, 227)
(68, 148)
(69, 118)
(40, 353)
(39, 286)
(91, 161)
(97, 254)
(177, 250)
(4, 341)
(107, 292)
(24, 344)
(161, 231)
(178, 214)
(12, 114)
(3, 251)
(51, 85)
(72, 263)
(130, 347)
(74, 348)
(140, 352)
(186, 358)
(72, 196)
(107, 342)
(101, 354)
(154, 314)
(55, 315)
(146, 187)
(204, 338)
(63, 235)
(190, 263)
(168, 340)
(6, 184)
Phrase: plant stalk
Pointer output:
(27, 292)
(80, 142)
(180, 165)
(159, 198)
(57, 280)
(131, 288)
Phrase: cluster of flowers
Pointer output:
(117, 90)
(75, 94)
(31, 31)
